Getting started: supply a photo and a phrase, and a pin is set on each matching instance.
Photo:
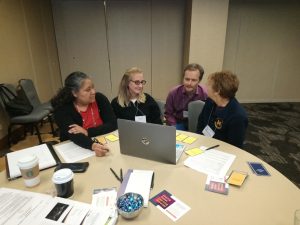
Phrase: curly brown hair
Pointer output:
(224, 82)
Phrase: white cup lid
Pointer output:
(62, 176)
(28, 161)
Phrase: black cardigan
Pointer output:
(67, 114)
(149, 109)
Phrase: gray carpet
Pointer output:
(273, 135)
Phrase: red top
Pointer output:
(91, 117)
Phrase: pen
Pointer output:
(121, 174)
(95, 140)
(152, 181)
(215, 146)
(116, 176)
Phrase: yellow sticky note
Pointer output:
(194, 151)
(101, 139)
(190, 140)
(112, 137)
(237, 178)
(181, 137)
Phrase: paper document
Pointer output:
(137, 181)
(212, 162)
(170, 205)
(45, 156)
(24, 207)
(105, 200)
(71, 152)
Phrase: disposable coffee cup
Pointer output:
(29, 167)
(63, 181)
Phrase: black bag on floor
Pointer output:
(14, 105)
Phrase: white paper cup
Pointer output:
(63, 181)
(29, 167)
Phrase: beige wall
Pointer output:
(262, 48)
(208, 32)
(28, 48)
(148, 34)
(258, 40)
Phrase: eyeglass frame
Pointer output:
(137, 82)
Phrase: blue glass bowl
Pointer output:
(130, 205)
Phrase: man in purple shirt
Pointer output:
(176, 110)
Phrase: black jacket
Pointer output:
(150, 109)
(67, 114)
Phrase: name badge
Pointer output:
(141, 119)
(208, 132)
(185, 114)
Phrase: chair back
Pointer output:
(29, 91)
(194, 109)
(161, 104)
(12, 89)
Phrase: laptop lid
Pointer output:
(146, 140)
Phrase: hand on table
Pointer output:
(76, 129)
(100, 149)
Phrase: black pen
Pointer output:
(116, 176)
(121, 174)
(152, 181)
(215, 146)
(95, 140)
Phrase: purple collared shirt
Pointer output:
(178, 100)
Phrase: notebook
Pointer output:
(149, 141)
(45, 153)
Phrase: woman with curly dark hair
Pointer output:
(81, 113)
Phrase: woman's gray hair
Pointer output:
(72, 85)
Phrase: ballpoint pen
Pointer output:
(116, 176)
(152, 181)
(95, 140)
(121, 175)
(215, 146)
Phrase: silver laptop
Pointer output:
(149, 141)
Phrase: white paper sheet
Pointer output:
(170, 205)
(211, 162)
(71, 152)
(17, 206)
(41, 151)
(176, 210)
(140, 182)
(23, 208)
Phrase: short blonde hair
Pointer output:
(124, 94)
(224, 82)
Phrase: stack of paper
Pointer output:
(23, 207)
(212, 162)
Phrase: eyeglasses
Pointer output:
(138, 82)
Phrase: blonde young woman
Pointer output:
(132, 103)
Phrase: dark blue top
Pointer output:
(229, 123)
